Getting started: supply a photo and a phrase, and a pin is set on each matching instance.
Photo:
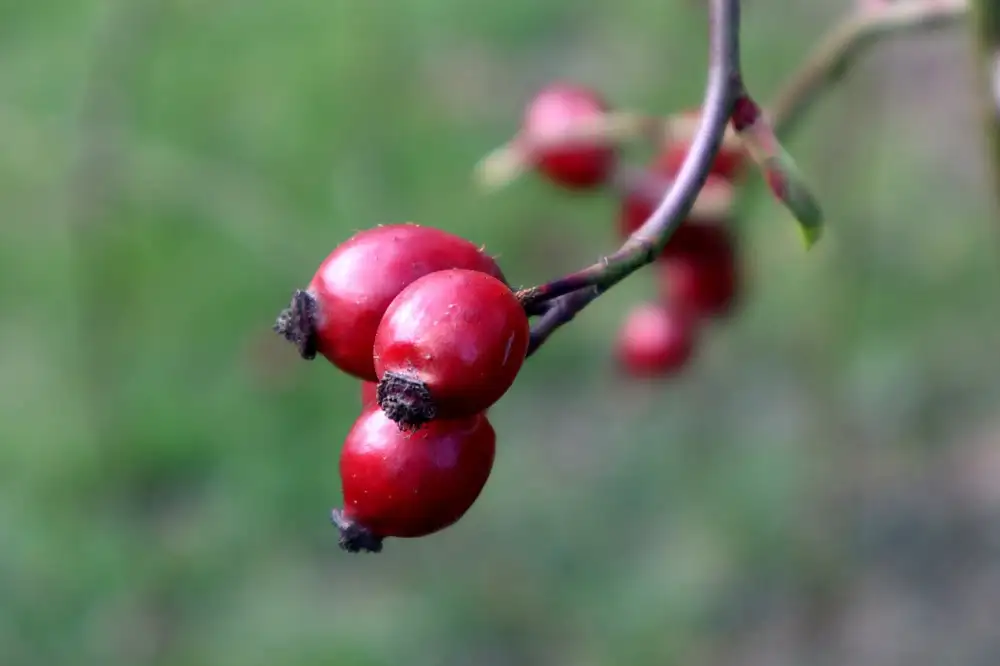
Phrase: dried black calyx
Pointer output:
(297, 323)
(405, 400)
(354, 538)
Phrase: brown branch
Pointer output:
(724, 83)
(841, 45)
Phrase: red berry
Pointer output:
(727, 163)
(699, 269)
(555, 108)
(338, 314)
(656, 340)
(636, 208)
(369, 395)
(449, 346)
(409, 484)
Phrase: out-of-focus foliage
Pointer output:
(169, 171)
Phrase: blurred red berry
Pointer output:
(450, 345)
(555, 108)
(656, 340)
(339, 313)
(727, 163)
(369, 395)
(409, 484)
(699, 269)
(636, 208)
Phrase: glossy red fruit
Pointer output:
(409, 484)
(338, 314)
(656, 340)
(699, 270)
(555, 108)
(449, 346)
(369, 394)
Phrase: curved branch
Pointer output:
(724, 83)
(831, 57)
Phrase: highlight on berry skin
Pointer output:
(450, 345)
(409, 484)
(338, 313)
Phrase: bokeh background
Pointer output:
(821, 487)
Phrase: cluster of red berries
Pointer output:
(426, 320)
(698, 273)
(428, 323)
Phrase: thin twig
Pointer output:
(831, 58)
(724, 83)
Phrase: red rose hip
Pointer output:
(699, 270)
(656, 340)
(449, 346)
(637, 207)
(369, 394)
(554, 109)
(409, 484)
(727, 163)
(338, 314)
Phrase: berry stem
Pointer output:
(986, 28)
(560, 311)
(643, 246)
(845, 41)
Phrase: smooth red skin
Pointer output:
(369, 396)
(358, 281)
(699, 270)
(411, 484)
(463, 334)
(555, 107)
(655, 340)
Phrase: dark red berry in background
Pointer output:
(727, 163)
(637, 208)
(338, 314)
(555, 108)
(409, 484)
(656, 340)
(449, 346)
(369, 394)
(699, 269)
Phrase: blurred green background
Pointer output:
(822, 487)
